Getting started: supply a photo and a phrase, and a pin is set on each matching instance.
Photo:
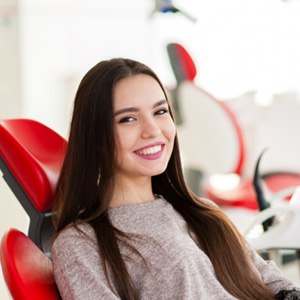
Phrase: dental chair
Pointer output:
(31, 156)
(276, 226)
(26, 269)
(213, 143)
(213, 146)
(218, 145)
(284, 233)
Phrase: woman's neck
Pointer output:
(128, 192)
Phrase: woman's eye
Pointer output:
(161, 111)
(126, 120)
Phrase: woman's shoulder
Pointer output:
(76, 230)
(81, 233)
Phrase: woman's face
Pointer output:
(144, 131)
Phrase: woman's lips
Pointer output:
(151, 152)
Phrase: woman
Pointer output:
(128, 227)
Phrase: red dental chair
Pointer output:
(26, 269)
(212, 141)
(31, 156)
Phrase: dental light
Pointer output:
(167, 6)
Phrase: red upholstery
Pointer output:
(27, 270)
(188, 63)
(241, 196)
(34, 153)
(242, 148)
(183, 65)
(244, 194)
(278, 181)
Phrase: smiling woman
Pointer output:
(127, 225)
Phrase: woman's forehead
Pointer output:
(137, 90)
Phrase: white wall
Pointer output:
(11, 214)
(10, 101)
(63, 39)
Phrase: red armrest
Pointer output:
(27, 270)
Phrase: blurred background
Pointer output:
(247, 54)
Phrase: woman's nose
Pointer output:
(150, 129)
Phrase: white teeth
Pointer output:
(150, 150)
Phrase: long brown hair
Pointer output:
(84, 189)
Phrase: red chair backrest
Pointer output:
(203, 117)
(210, 136)
(34, 153)
(27, 270)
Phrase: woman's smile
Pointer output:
(151, 152)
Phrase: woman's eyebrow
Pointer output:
(126, 110)
(159, 103)
(135, 109)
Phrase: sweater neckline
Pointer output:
(134, 207)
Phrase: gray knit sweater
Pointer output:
(176, 268)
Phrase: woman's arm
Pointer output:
(288, 295)
(273, 277)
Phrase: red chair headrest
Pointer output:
(34, 153)
(182, 64)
